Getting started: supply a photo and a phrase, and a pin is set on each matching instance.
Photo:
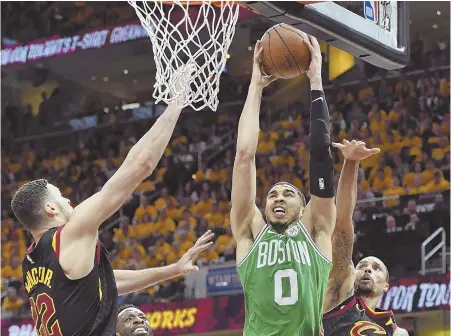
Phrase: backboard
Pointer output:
(375, 31)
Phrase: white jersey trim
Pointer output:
(254, 244)
(316, 248)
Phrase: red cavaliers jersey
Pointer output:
(61, 306)
(354, 318)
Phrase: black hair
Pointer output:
(27, 202)
(300, 194)
(125, 306)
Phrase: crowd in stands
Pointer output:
(25, 21)
(406, 117)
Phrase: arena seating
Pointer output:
(400, 194)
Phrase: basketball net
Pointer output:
(188, 33)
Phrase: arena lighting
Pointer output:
(249, 48)
(435, 26)
(93, 78)
(439, 13)
(130, 106)
(106, 110)
(105, 79)
(228, 56)
(125, 71)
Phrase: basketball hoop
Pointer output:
(184, 33)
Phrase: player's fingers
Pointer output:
(361, 143)
(374, 150)
(353, 142)
(257, 46)
(270, 79)
(205, 238)
(337, 145)
(197, 249)
(314, 43)
(258, 56)
(208, 232)
(346, 142)
(310, 47)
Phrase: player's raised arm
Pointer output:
(321, 210)
(79, 236)
(341, 278)
(244, 170)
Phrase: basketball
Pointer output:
(285, 55)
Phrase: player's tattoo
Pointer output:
(342, 246)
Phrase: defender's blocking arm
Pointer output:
(244, 169)
(79, 236)
(341, 278)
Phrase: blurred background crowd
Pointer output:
(403, 192)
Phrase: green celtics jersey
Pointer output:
(284, 278)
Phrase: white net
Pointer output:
(185, 34)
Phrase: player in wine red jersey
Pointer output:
(353, 293)
(71, 285)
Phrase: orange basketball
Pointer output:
(285, 55)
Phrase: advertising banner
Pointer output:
(223, 280)
(227, 312)
(173, 318)
(417, 294)
(57, 45)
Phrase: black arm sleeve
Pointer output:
(321, 163)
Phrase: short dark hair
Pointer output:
(300, 194)
(125, 306)
(28, 200)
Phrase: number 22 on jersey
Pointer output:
(42, 311)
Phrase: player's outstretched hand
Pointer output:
(180, 81)
(314, 70)
(186, 263)
(355, 150)
(258, 78)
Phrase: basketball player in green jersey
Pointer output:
(284, 264)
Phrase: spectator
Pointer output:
(411, 208)
(439, 203)
(394, 189)
(390, 225)
(437, 184)
(12, 303)
(412, 224)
